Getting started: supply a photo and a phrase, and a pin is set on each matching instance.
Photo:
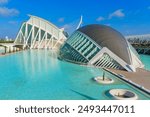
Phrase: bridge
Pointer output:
(11, 47)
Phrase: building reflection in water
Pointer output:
(35, 62)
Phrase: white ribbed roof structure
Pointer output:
(40, 33)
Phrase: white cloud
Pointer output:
(62, 19)
(13, 22)
(6, 12)
(3, 1)
(67, 26)
(99, 19)
(118, 13)
(70, 27)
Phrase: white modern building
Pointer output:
(135, 38)
(100, 46)
(93, 45)
(38, 33)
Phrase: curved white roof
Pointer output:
(39, 18)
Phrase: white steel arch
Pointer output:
(38, 33)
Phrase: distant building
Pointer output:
(139, 39)
(140, 42)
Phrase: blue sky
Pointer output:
(127, 16)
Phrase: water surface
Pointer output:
(146, 60)
(39, 75)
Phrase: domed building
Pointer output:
(100, 46)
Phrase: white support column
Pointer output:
(45, 41)
(48, 44)
(52, 43)
(18, 34)
(39, 33)
(56, 44)
(34, 40)
(22, 36)
(42, 40)
(26, 33)
(26, 43)
(45, 37)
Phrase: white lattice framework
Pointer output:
(39, 33)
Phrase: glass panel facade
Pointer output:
(107, 62)
(79, 48)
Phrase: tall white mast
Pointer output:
(80, 23)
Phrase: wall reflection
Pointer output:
(38, 62)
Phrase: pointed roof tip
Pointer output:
(80, 23)
(32, 15)
(29, 15)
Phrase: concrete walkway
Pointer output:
(141, 77)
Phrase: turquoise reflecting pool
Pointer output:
(39, 75)
(146, 60)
